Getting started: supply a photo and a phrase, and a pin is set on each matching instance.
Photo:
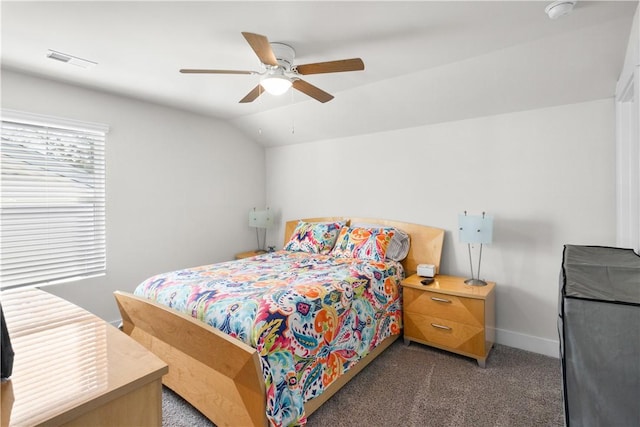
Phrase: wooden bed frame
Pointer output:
(222, 376)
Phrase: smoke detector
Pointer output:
(559, 8)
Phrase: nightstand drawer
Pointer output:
(462, 310)
(446, 333)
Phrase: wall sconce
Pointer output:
(475, 229)
(261, 220)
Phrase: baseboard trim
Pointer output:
(538, 345)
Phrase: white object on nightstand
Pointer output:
(426, 270)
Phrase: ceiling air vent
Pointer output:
(70, 59)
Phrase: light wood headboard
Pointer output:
(426, 242)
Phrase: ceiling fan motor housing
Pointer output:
(284, 55)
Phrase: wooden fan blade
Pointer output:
(354, 64)
(196, 71)
(314, 92)
(251, 96)
(262, 48)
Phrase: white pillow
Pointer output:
(398, 247)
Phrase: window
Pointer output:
(52, 199)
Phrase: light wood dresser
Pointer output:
(450, 315)
(71, 368)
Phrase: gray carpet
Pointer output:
(422, 386)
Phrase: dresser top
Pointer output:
(67, 360)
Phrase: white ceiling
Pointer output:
(426, 61)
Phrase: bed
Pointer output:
(340, 314)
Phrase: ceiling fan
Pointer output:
(280, 73)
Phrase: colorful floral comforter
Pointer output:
(311, 317)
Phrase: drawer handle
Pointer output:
(440, 299)
(435, 325)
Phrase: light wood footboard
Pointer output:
(217, 374)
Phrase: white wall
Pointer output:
(179, 185)
(173, 177)
(546, 175)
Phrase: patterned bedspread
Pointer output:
(311, 317)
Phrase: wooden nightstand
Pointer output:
(450, 315)
(249, 254)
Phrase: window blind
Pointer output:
(52, 199)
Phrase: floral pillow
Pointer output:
(398, 248)
(363, 243)
(314, 237)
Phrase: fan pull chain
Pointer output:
(293, 127)
(260, 91)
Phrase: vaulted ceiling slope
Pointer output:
(425, 61)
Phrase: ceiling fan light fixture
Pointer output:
(276, 84)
